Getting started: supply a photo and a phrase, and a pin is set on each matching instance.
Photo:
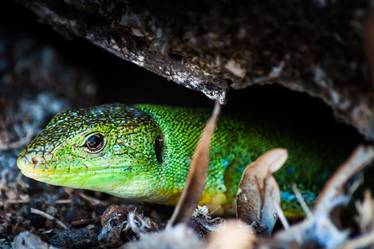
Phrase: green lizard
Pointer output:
(143, 152)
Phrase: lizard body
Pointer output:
(143, 152)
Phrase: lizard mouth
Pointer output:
(30, 165)
(37, 167)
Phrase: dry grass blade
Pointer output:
(196, 179)
(281, 216)
(301, 200)
(259, 193)
(49, 217)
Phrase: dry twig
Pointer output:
(93, 201)
(319, 229)
(48, 217)
(20, 143)
(361, 242)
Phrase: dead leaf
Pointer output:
(258, 191)
(196, 179)
(232, 234)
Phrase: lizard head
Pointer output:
(110, 148)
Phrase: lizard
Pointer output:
(143, 152)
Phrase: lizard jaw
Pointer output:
(31, 165)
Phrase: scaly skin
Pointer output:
(147, 152)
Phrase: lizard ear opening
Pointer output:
(159, 148)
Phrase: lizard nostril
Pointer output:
(35, 159)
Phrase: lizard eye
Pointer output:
(159, 147)
(94, 143)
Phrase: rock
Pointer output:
(316, 47)
(27, 240)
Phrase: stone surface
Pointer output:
(27, 240)
(314, 47)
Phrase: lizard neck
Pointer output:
(228, 157)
